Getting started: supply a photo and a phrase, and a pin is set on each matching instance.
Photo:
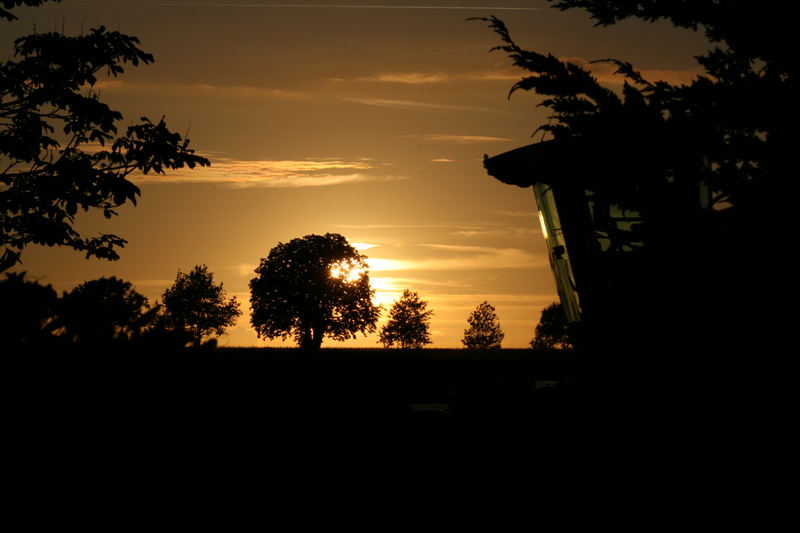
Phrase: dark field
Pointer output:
(436, 440)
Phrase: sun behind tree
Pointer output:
(310, 288)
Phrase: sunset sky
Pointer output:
(362, 118)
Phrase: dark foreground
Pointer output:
(255, 440)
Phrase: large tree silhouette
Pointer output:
(195, 304)
(313, 287)
(60, 151)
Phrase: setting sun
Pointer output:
(347, 271)
(376, 135)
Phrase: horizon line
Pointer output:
(342, 6)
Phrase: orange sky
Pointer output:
(362, 118)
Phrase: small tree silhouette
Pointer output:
(552, 332)
(313, 287)
(484, 330)
(408, 325)
(196, 305)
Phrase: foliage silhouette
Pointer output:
(104, 311)
(484, 330)
(9, 4)
(59, 148)
(27, 310)
(552, 331)
(409, 323)
(196, 305)
(313, 287)
(707, 165)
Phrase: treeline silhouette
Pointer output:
(108, 312)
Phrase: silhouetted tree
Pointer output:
(730, 132)
(553, 330)
(104, 310)
(195, 304)
(313, 287)
(409, 323)
(59, 149)
(27, 310)
(740, 146)
(484, 330)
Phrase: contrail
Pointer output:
(343, 6)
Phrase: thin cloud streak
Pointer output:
(496, 232)
(203, 89)
(468, 258)
(456, 139)
(422, 78)
(605, 72)
(417, 105)
(273, 174)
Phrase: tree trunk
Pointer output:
(316, 339)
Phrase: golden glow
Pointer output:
(362, 245)
(347, 271)
(387, 290)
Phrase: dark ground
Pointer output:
(280, 440)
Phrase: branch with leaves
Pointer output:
(60, 152)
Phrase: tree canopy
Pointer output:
(313, 287)
(731, 128)
(195, 304)
(102, 311)
(60, 150)
(484, 330)
(552, 331)
(408, 326)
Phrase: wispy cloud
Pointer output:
(518, 214)
(605, 72)
(203, 90)
(423, 78)
(275, 174)
(461, 258)
(443, 160)
(456, 139)
(409, 78)
(416, 105)
(504, 232)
